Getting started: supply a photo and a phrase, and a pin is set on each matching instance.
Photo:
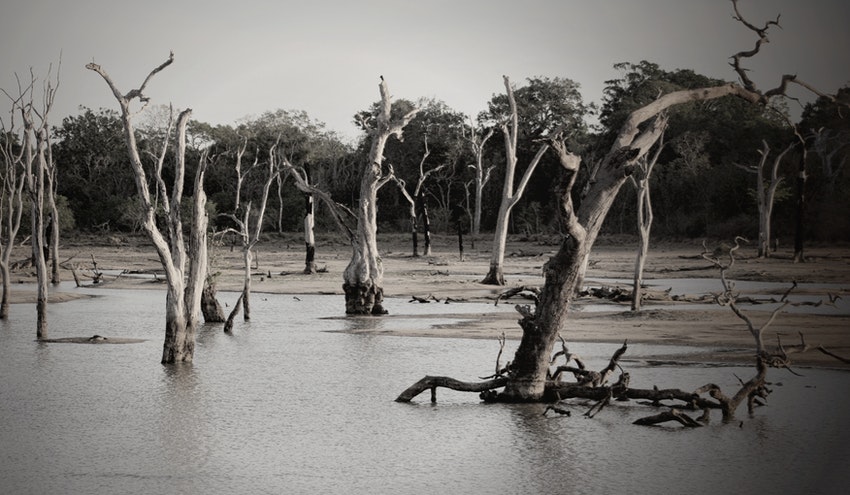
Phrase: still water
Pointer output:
(290, 403)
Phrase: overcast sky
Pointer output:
(240, 58)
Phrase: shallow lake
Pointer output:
(290, 403)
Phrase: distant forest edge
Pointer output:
(702, 184)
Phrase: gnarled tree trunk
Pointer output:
(363, 277)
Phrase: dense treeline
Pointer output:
(699, 186)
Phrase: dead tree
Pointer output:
(510, 196)
(248, 233)
(417, 205)
(640, 179)
(477, 139)
(767, 181)
(363, 278)
(36, 157)
(13, 149)
(340, 213)
(185, 265)
(528, 378)
(595, 385)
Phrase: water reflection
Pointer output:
(289, 404)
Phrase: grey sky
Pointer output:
(240, 58)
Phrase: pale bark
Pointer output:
(36, 162)
(640, 179)
(11, 203)
(767, 181)
(529, 371)
(417, 206)
(510, 196)
(363, 277)
(183, 293)
(482, 175)
(249, 234)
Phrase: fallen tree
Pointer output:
(529, 377)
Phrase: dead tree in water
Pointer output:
(363, 278)
(248, 233)
(185, 266)
(36, 159)
(13, 150)
(529, 376)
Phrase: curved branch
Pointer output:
(432, 382)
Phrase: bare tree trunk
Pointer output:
(800, 213)
(644, 216)
(183, 299)
(510, 197)
(11, 204)
(482, 175)
(641, 179)
(309, 236)
(363, 277)
(210, 307)
(765, 193)
(564, 271)
(422, 204)
(37, 155)
(246, 287)
(54, 224)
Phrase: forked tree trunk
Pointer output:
(510, 197)
(36, 143)
(184, 287)
(482, 176)
(765, 194)
(363, 277)
(644, 217)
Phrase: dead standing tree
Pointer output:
(510, 196)
(12, 206)
(338, 212)
(185, 266)
(476, 143)
(640, 179)
(767, 181)
(529, 377)
(36, 157)
(363, 277)
(416, 202)
(248, 233)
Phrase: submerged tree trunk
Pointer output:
(185, 287)
(210, 307)
(246, 286)
(363, 277)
